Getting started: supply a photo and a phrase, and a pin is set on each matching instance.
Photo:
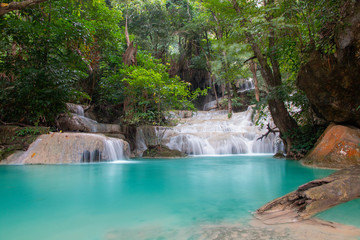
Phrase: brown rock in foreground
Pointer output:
(313, 197)
(338, 147)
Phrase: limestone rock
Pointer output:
(75, 108)
(63, 148)
(77, 123)
(338, 147)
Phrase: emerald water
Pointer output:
(147, 199)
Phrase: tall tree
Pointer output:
(270, 71)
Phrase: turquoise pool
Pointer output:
(147, 199)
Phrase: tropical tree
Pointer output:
(152, 90)
(49, 56)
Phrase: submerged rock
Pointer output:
(313, 197)
(279, 155)
(338, 147)
(58, 148)
(162, 152)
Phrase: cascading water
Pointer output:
(79, 110)
(77, 122)
(246, 85)
(114, 149)
(212, 133)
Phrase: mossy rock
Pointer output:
(279, 155)
(160, 151)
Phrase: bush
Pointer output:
(306, 137)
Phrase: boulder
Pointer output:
(313, 197)
(279, 155)
(161, 151)
(75, 108)
(338, 147)
(63, 148)
(331, 82)
(77, 123)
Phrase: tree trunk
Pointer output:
(272, 78)
(313, 197)
(253, 70)
(8, 7)
(229, 100)
(234, 90)
(129, 58)
(215, 92)
(279, 113)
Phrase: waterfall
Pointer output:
(114, 149)
(79, 110)
(247, 85)
(212, 133)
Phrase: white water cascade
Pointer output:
(78, 122)
(116, 149)
(246, 85)
(212, 133)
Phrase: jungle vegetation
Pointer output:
(146, 57)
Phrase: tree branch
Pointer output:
(268, 132)
(14, 123)
(8, 7)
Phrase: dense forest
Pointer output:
(133, 61)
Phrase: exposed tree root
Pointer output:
(313, 197)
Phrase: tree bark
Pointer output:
(127, 32)
(228, 86)
(215, 92)
(8, 7)
(253, 70)
(129, 58)
(313, 197)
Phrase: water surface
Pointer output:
(146, 199)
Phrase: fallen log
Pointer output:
(313, 197)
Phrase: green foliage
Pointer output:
(151, 88)
(63, 51)
(21, 132)
(37, 71)
(47, 54)
(306, 137)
